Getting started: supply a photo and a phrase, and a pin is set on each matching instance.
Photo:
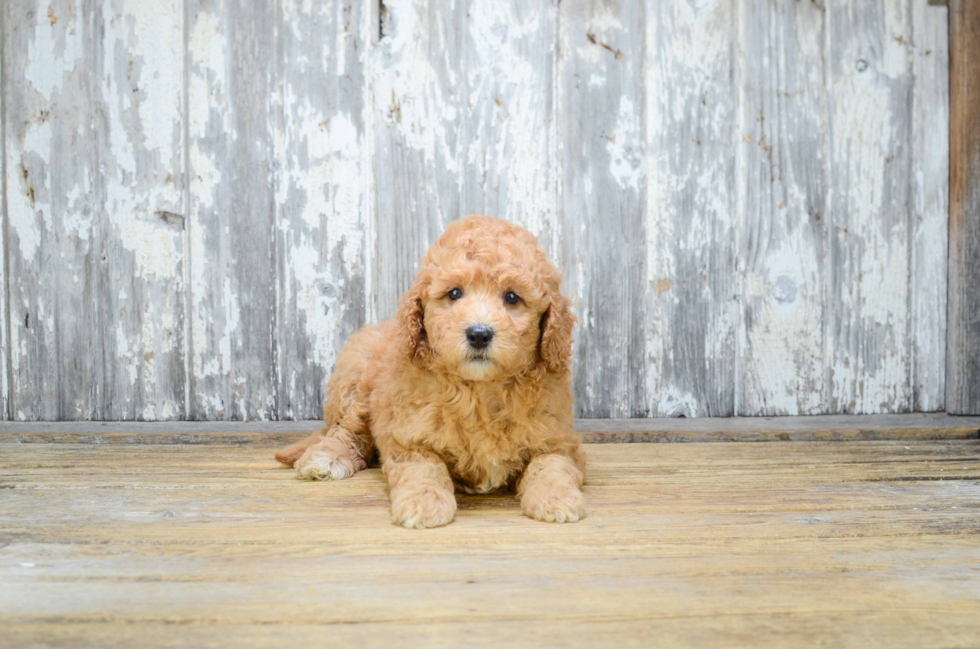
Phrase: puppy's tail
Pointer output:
(293, 452)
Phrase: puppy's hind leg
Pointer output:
(293, 452)
(338, 455)
(345, 446)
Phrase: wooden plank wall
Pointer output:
(748, 199)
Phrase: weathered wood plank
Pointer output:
(325, 222)
(4, 312)
(963, 342)
(713, 631)
(869, 77)
(782, 186)
(53, 204)
(92, 102)
(929, 204)
(822, 428)
(141, 156)
(594, 431)
(231, 56)
(602, 196)
(690, 118)
(865, 544)
(463, 123)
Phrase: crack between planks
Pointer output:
(278, 134)
(188, 342)
(828, 255)
(97, 104)
(910, 209)
(556, 144)
(368, 162)
(637, 403)
(740, 211)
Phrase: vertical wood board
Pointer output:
(232, 230)
(324, 221)
(92, 163)
(929, 204)
(963, 344)
(4, 313)
(140, 143)
(602, 194)
(54, 236)
(783, 142)
(463, 124)
(690, 117)
(870, 86)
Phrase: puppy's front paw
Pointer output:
(327, 463)
(420, 507)
(554, 504)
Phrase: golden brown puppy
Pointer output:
(468, 388)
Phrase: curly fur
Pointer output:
(441, 418)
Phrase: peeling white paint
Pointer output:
(404, 94)
(322, 187)
(674, 403)
(625, 148)
(232, 322)
(27, 198)
(321, 302)
(512, 147)
(54, 52)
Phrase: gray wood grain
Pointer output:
(782, 184)
(140, 160)
(324, 223)
(55, 239)
(463, 123)
(690, 109)
(4, 311)
(929, 204)
(232, 209)
(869, 232)
(601, 129)
(92, 154)
(963, 344)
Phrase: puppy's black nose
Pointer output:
(479, 336)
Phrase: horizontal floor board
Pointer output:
(936, 426)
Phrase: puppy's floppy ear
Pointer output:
(411, 319)
(556, 334)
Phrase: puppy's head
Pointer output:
(486, 304)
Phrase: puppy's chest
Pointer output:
(485, 456)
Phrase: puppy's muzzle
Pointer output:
(479, 336)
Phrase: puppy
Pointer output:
(467, 389)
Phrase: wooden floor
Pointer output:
(836, 544)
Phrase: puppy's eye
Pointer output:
(511, 297)
(455, 294)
